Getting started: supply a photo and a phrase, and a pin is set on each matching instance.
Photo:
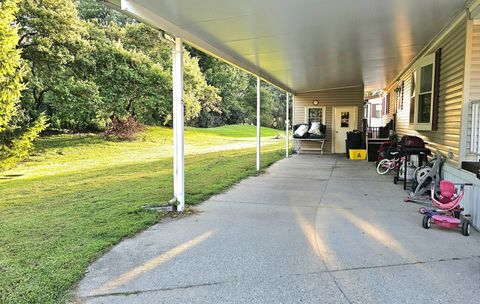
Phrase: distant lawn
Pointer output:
(239, 131)
(82, 194)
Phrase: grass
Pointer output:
(81, 194)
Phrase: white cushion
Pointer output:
(315, 128)
(301, 130)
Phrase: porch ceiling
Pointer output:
(305, 45)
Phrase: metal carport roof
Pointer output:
(305, 45)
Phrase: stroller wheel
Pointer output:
(422, 210)
(466, 228)
(427, 221)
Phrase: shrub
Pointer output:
(123, 129)
(18, 144)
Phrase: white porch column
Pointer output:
(178, 126)
(293, 110)
(293, 119)
(258, 123)
(286, 127)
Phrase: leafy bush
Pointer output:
(18, 144)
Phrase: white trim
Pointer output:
(178, 126)
(324, 113)
(293, 111)
(334, 131)
(287, 122)
(258, 123)
(417, 70)
(463, 152)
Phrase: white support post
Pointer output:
(178, 126)
(286, 127)
(258, 123)
(293, 121)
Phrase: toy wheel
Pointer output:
(466, 228)
(427, 221)
(383, 167)
(422, 210)
(401, 171)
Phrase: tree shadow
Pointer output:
(68, 141)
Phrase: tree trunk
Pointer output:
(130, 107)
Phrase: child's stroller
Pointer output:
(423, 177)
(449, 213)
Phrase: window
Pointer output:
(475, 128)
(399, 96)
(344, 119)
(412, 96)
(376, 111)
(315, 114)
(387, 104)
(421, 100)
(425, 94)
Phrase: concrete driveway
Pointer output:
(312, 229)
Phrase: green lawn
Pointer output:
(81, 194)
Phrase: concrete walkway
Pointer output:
(313, 229)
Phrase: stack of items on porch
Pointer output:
(408, 159)
(355, 146)
(403, 157)
(314, 130)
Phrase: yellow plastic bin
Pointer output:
(358, 154)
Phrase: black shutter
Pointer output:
(388, 104)
(436, 89)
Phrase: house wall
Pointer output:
(447, 137)
(352, 96)
(473, 85)
(459, 84)
(374, 121)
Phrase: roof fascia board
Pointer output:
(144, 15)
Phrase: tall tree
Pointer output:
(15, 140)
(51, 38)
(233, 85)
(11, 68)
(95, 10)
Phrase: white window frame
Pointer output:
(425, 61)
(324, 109)
(475, 128)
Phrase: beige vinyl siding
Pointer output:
(475, 64)
(474, 82)
(329, 98)
(447, 137)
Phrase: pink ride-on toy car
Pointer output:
(449, 213)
